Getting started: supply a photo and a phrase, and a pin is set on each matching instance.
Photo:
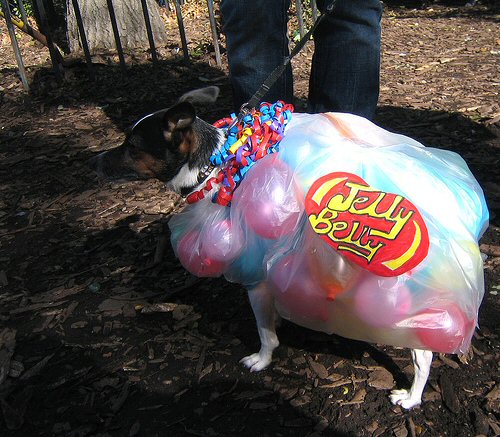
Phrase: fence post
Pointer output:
(300, 17)
(314, 8)
(215, 37)
(83, 38)
(15, 46)
(23, 11)
(180, 23)
(116, 33)
(149, 31)
(55, 56)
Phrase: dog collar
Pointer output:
(204, 173)
(256, 135)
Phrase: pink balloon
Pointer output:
(269, 199)
(222, 241)
(297, 292)
(381, 302)
(195, 259)
(443, 327)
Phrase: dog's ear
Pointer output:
(178, 117)
(208, 94)
(177, 126)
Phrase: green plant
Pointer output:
(16, 10)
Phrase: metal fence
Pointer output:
(15, 16)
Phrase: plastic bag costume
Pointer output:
(358, 231)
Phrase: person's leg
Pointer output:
(257, 42)
(346, 62)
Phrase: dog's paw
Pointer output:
(256, 362)
(403, 399)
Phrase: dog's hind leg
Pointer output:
(422, 360)
(262, 302)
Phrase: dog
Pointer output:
(174, 146)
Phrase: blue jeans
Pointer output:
(346, 62)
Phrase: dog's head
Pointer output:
(171, 145)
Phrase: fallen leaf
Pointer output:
(206, 371)
(372, 427)
(80, 324)
(300, 400)
(449, 362)
(381, 379)
(57, 293)
(359, 396)
(288, 393)
(336, 384)
(494, 395)
(493, 400)
(36, 369)
(180, 312)
(400, 430)
(494, 426)
(318, 368)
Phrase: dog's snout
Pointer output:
(112, 165)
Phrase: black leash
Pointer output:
(278, 71)
(255, 100)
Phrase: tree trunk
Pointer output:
(130, 22)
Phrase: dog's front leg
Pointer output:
(422, 360)
(262, 302)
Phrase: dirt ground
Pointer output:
(104, 334)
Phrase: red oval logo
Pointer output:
(382, 232)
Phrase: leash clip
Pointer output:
(245, 109)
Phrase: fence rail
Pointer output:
(15, 16)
